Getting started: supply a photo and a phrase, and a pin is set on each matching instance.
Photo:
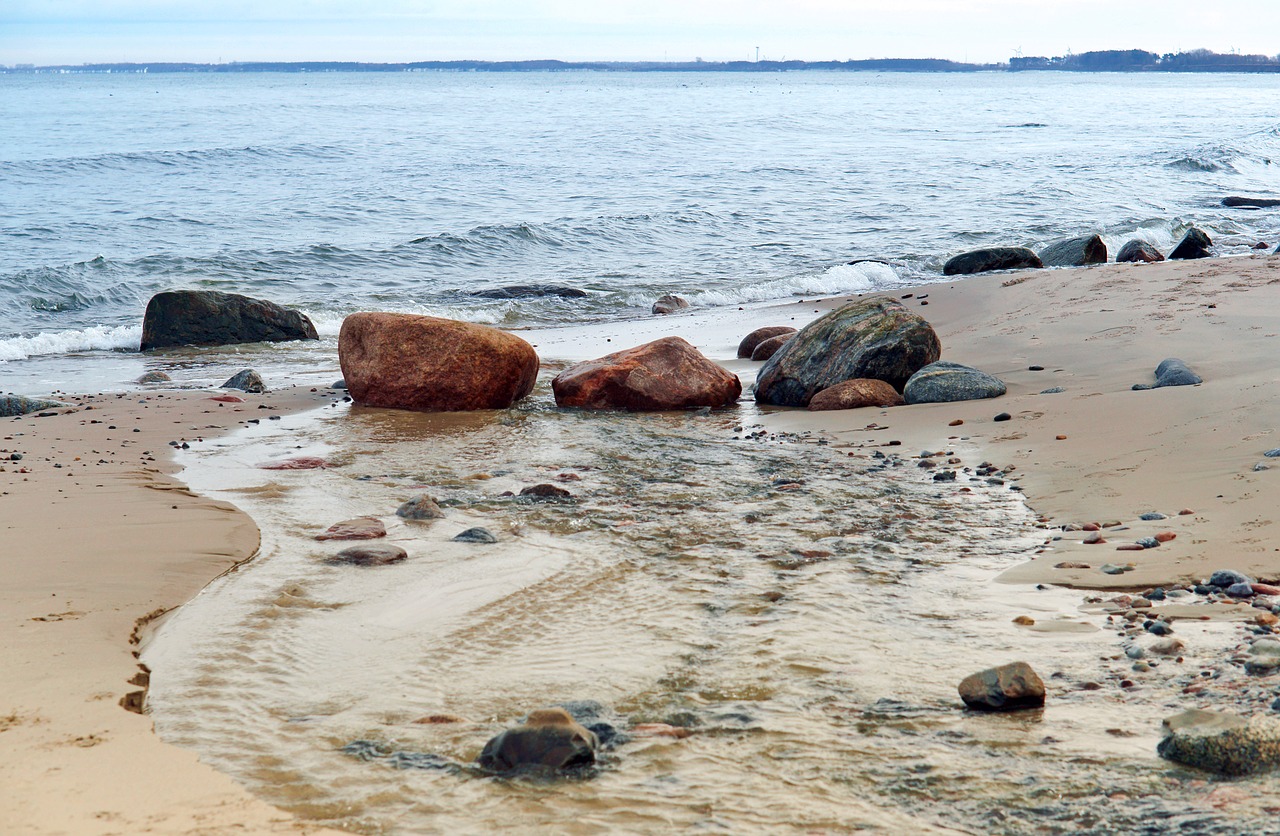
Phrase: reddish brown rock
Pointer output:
(227, 399)
(545, 491)
(748, 345)
(1265, 589)
(1093, 539)
(1165, 536)
(1129, 547)
(370, 554)
(359, 528)
(430, 364)
(669, 303)
(770, 347)
(550, 739)
(1005, 688)
(665, 374)
(854, 394)
(296, 463)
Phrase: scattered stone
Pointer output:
(1003, 416)
(420, 507)
(1152, 515)
(1134, 651)
(530, 291)
(1115, 569)
(1130, 547)
(944, 382)
(855, 394)
(359, 528)
(669, 303)
(955, 423)
(1228, 577)
(429, 364)
(14, 405)
(1004, 688)
(1171, 372)
(1226, 744)
(296, 463)
(549, 738)
(341, 385)
(1272, 454)
(1240, 590)
(246, 380)
(1250, 202)
(369, 554)
(1075, 252)
(227, 399)
(748, 345)
(545, 491)
(1148, 542)
(665, 374)
(1094, 539)
(153, 377)
(1053, 390)
(1071, 564)
(1195, 244)
(1024, 620)
(1265, 589)
(991, 258)
(770, 347)
(440, 719)
(1138, 251)
(1167, 647)
(1164, 536)
(475, 535)
(868, 338)
(211, 317)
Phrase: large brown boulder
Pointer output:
(431, 364)
(770, 347)
(211, 317)
(1004, 688)
(665, 374)
(550, 739)
(876, 338)
(855, 394)
(750, 341)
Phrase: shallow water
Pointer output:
(806, 609)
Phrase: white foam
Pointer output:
(833, 281)
(97, 338)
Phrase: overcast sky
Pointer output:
(78, 31)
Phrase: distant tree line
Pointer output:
(1137, 60)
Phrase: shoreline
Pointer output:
(76, 762)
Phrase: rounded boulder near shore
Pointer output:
(211, 317)
(430, 364)
(665, 374)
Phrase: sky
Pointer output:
(980, 31)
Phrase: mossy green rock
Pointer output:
(944, 382)
(875, 338)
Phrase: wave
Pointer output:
(839, 280)
(96, 338)
(171, 158)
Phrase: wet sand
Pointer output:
(94, 547)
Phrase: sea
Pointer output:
(800, 605)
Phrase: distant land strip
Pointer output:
(1124, 61)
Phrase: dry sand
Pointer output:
(94, 547)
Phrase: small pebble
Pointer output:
(1035, 368)
(1273, 454)
(1052, 391)
(1003, 416)
(1153, 515)
(1148, 542)
(1114, 569)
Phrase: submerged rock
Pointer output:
(359, 528)
(1075, 252)
(669, 303)
(153, 377)
(430, 364)
(1250, 202)
(770, 347)
(991, 258)
(1136, 250)
(855, 394)
(944, 382)
(869, 338)
(549, 739)
(475, 535)
(750, 341)
(211, 317)
(665, 374)
(14, 405)
(545, 491)
(1226, 744)
(369, 554)
(1171, 372)
(1195, 244)
(420, 507)
(530, 291)
(246, 380)
(1004, 688)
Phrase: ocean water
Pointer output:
(410, 192)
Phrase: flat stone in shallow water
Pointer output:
(991, 258)
(359, 528)
(549, 739)
(475, 535)
(1226, 744)
(420, 507)
(369, 554)
(246, 380)
(1004, 688)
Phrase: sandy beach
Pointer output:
(100, 537)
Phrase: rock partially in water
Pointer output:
(669, 303)
(1195, 244)
(530, 291)
(1004, 688)
(211, 317)
(1250, 202)
(869, 338)
(549, 739)
(750, 341)
(945, 382)
(545, 491)
(374, 750)
(855, 394)
(295, 463)
(340, 385)
(420, 507)
(991, 258)
(1075, 252)
(666, 374)
(246, 380)
(358, 528)
(369, 554)
(153, 377)
(475, 535)
(1226, 744)
(1228, 577)
(1138, 251)
(770, 347)
(14, 405)
(1171, 372)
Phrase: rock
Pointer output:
(211, 317)
(338, 384)
(1273, 453)
(1053, 390)
(1004, 688)
(855, 394)
(1075, 252)
(1265, 589)
(1250, 202)
(1152, 515)
(1226, 744)
(475, 535)
(1171, 372)
(153, 377)
(545, 491)
(430, 364)
(1240, 590)
(1138, 251)
(14, 405)
(770, 347)
(1195, 244)
(420, 507)
(662, 375)
(1002, 416)
(359, 528)
(369, 554)
(944, 382)
(669, 303)
(868, 338)
(1167, 647)
(528, 291)
(1148, 542)
(1228, 577)
(1114, 568)
(246, 380)
(549, 738)
(296, 463)
(443, 718)
(750, 341)
(991, 258)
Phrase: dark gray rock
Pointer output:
(944, 382)
(1240, 590)
(1195, 244)
(1004, 688)
(1075, 252)
(211, 317)
(475, 535)
(549, 739)
(1171, 372)
(750, 341)
(338, 384)
(876, 338)
(369, 554)
(13, 405)
(420, 507)
(669, 303)
(1226, 744)
(153, 377)
(1272, 454)
(1053, 390)
(1228, 577)
(530, 291)
(246, 380)
(991, 258)
(545, 491)
(1138, 251)
(1250, 202)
